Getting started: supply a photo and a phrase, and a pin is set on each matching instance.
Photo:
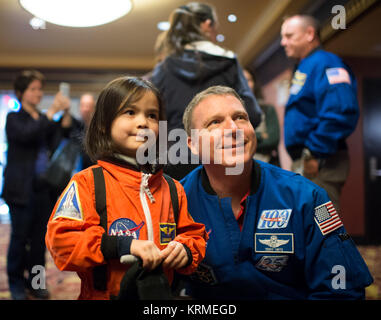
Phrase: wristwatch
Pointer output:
(307, 155)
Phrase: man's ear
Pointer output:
(192, 145)
(206, 26)
(310, 33)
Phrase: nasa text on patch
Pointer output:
(70, 205)
(167, 232)
(274, 242)
(274, 219)
(125, 227)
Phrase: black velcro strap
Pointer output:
(174, 198)
(100, 196)
(100, 272)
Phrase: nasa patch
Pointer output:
(125, 227)
(167, 232)
(274, 219)
(70, 205)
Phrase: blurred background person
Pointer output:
(322, 110)
(32, 137)
(193, 63)
(268, 130)
(86, 111)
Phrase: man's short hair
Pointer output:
(215, 90)
(308, 21)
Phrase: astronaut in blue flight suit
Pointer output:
(322, 110)
(273, 234)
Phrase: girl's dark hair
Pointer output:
(24, 79)
(112, 101)
(185, 25)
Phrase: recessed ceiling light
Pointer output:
(163, 25)
(37, 23)
(232, 18)
(74, 13)
(220, 38)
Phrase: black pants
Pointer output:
(27, 240)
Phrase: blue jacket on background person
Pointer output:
(293, 244)
(322, 110)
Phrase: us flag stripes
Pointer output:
(327, 218)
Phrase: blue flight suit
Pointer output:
(322, 110)
(292, 244)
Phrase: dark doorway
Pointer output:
(372, 157)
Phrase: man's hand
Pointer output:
(311, 168)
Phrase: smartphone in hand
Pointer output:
(64, 88)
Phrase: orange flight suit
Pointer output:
(74, 234)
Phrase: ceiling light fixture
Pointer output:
(74, 13)
(37, 23)
(163, 25)
(220, 38)
(232, 18)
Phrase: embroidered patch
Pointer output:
(274, 219)
(337, 75)
(297, 82)
(274, 242)
(272, 263)
(204, 274)
(327, 218)
(125, 227)
(167, 232)
(70, 204)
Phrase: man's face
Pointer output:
(295, 38)
(86, 108)
(33, 94)
(224, 134)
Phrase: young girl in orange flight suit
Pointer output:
(140, 217)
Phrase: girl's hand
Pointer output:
(148, 252)
(174, 256)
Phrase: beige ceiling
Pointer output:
(361, 39)
(128, 42)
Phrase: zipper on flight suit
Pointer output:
(144, 190)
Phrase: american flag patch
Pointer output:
(327, 218)
(337, 75)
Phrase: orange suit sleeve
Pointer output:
(73, 232)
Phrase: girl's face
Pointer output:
(33, 94)
(129, 130)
